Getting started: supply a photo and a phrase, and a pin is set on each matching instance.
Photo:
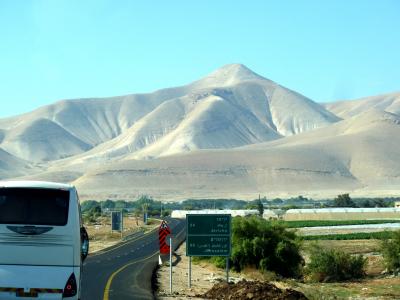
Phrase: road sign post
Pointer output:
(163, 232)
(208, 235)
(190, 273)
(170, 265)
(227, 269)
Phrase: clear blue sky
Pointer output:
(326, 50)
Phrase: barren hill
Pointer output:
(348, 108)
(230, 107)
(232, 133)
(345, 157)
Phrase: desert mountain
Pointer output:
(231, 107)
(11, 166)
(232, 133)
(347, 156)
(344, 109)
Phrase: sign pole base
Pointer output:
(227, 269)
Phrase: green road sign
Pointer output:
(208, 235)
(116, 220)
(208, 246)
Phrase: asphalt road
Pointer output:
(124, 271)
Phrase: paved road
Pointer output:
(124, 272)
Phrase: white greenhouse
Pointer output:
(181, 214)
(345, 213)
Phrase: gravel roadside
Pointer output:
(204, 276)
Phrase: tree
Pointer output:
(108, 204)
(367, 203)
(137, 212)
(120, 204)
(343, 200)
(277, 201)
(88, 205)
(91, 215)
(379, 203)
(260, 207)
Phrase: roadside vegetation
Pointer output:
(267, 246)
(97, 220)
(92, 208)
(272, 247)
(333, 265)
(155, 206)
(101, 236)
(390, 248)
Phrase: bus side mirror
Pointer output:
(84, 243)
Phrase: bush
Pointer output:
(343, 200)
(390, 249)
(266, 245)
(331, 265)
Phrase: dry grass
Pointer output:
(371, 288)
(101, 236)
(374, 286)
(349, 246)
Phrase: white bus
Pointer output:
(42, 241)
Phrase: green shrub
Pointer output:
(390, 248)
(218, 261)
(266, 245)
(331, 265)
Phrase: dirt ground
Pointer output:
(385, 288)
(376, 286)
(368, 248)
(350, 246)
(206, 276)
(254, 290)
(101, 237)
